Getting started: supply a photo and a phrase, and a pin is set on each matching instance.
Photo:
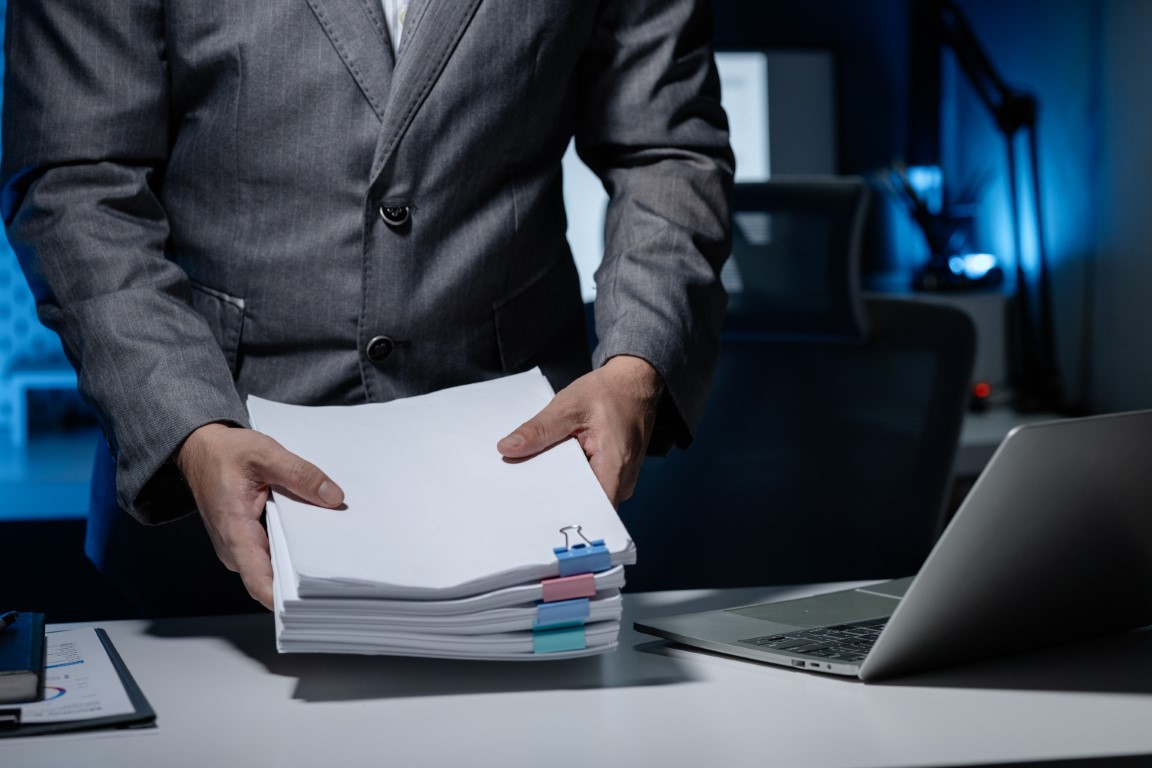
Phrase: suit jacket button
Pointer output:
(379, 348)
(394, 215)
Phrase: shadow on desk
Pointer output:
(335, 677)
(1112, 664)
(1115, 664)
(1118, 761)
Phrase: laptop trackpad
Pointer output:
(823, 610)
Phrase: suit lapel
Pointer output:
(431, 32)
(360, 35)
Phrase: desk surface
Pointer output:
(225, 697)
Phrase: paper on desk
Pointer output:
(289, 602)
(80, 682)
(425, 628)
(608, 607)
(432, 509)
(601, 637)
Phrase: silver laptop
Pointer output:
(1052, 544)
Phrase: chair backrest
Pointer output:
(796, 259)
(827, 446)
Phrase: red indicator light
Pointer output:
(981, 390)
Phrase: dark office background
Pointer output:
(1084, 60)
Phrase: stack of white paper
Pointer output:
(443, 548)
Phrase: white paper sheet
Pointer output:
(432, 509)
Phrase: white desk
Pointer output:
(225, 698)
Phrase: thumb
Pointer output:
(539, 433)
(302, 478)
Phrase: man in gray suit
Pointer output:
(343, 201)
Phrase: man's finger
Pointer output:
(300, 477)
(609, 481)
(253, 561)
(539, 433)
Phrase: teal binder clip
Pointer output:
(549, 615)
(587, 557)
(569, 638)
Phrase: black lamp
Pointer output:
(1034, 370)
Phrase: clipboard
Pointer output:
(142, 716)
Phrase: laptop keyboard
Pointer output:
(843, 642)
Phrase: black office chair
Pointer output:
(826, 449)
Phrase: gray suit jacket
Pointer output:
(212, 199)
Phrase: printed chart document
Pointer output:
(86, 687)
(443, 547)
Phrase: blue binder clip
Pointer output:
(559, 639)
(587, 557)
(550, 615)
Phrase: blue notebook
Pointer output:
(22, 659)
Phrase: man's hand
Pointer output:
(609, 411)
(230, 472)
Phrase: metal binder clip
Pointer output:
(591, 556)
(579, 529)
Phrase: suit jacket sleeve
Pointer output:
(653, 130)
(86, 136)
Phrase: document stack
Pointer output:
(443, 548)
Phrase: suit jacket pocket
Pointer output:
(532, 318)
(225, 317)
